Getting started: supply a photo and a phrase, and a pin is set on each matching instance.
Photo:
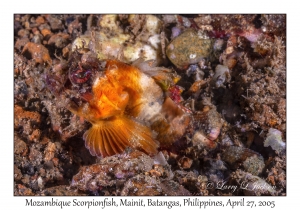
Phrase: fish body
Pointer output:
(127, 108)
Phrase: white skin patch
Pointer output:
(152, 97)
(96, 81)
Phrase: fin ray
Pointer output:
(109, 143)
(101, 147)
(89, 141)
(112, 136)
(141, 137)
(123, 141)
(120, 145)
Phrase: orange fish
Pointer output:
(127, 108)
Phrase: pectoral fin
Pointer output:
(141, 137)
(110, 137)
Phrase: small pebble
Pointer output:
(188, 48)
(274, 140)
(185, 162)
(38, 52)
(20, 147)
(252, 161)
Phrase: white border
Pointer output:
(8, 201)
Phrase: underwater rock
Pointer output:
(188, 48)
(142, 185)
(62, 190)
(37, 52)
(109, 170)
(113, 42)
(251, 161)
(251, 185)
(274, 140)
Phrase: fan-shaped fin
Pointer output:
(102, 139)
(141, 137)
(109, 137)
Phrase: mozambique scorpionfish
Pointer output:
(127, 105)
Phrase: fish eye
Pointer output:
(80, 75)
